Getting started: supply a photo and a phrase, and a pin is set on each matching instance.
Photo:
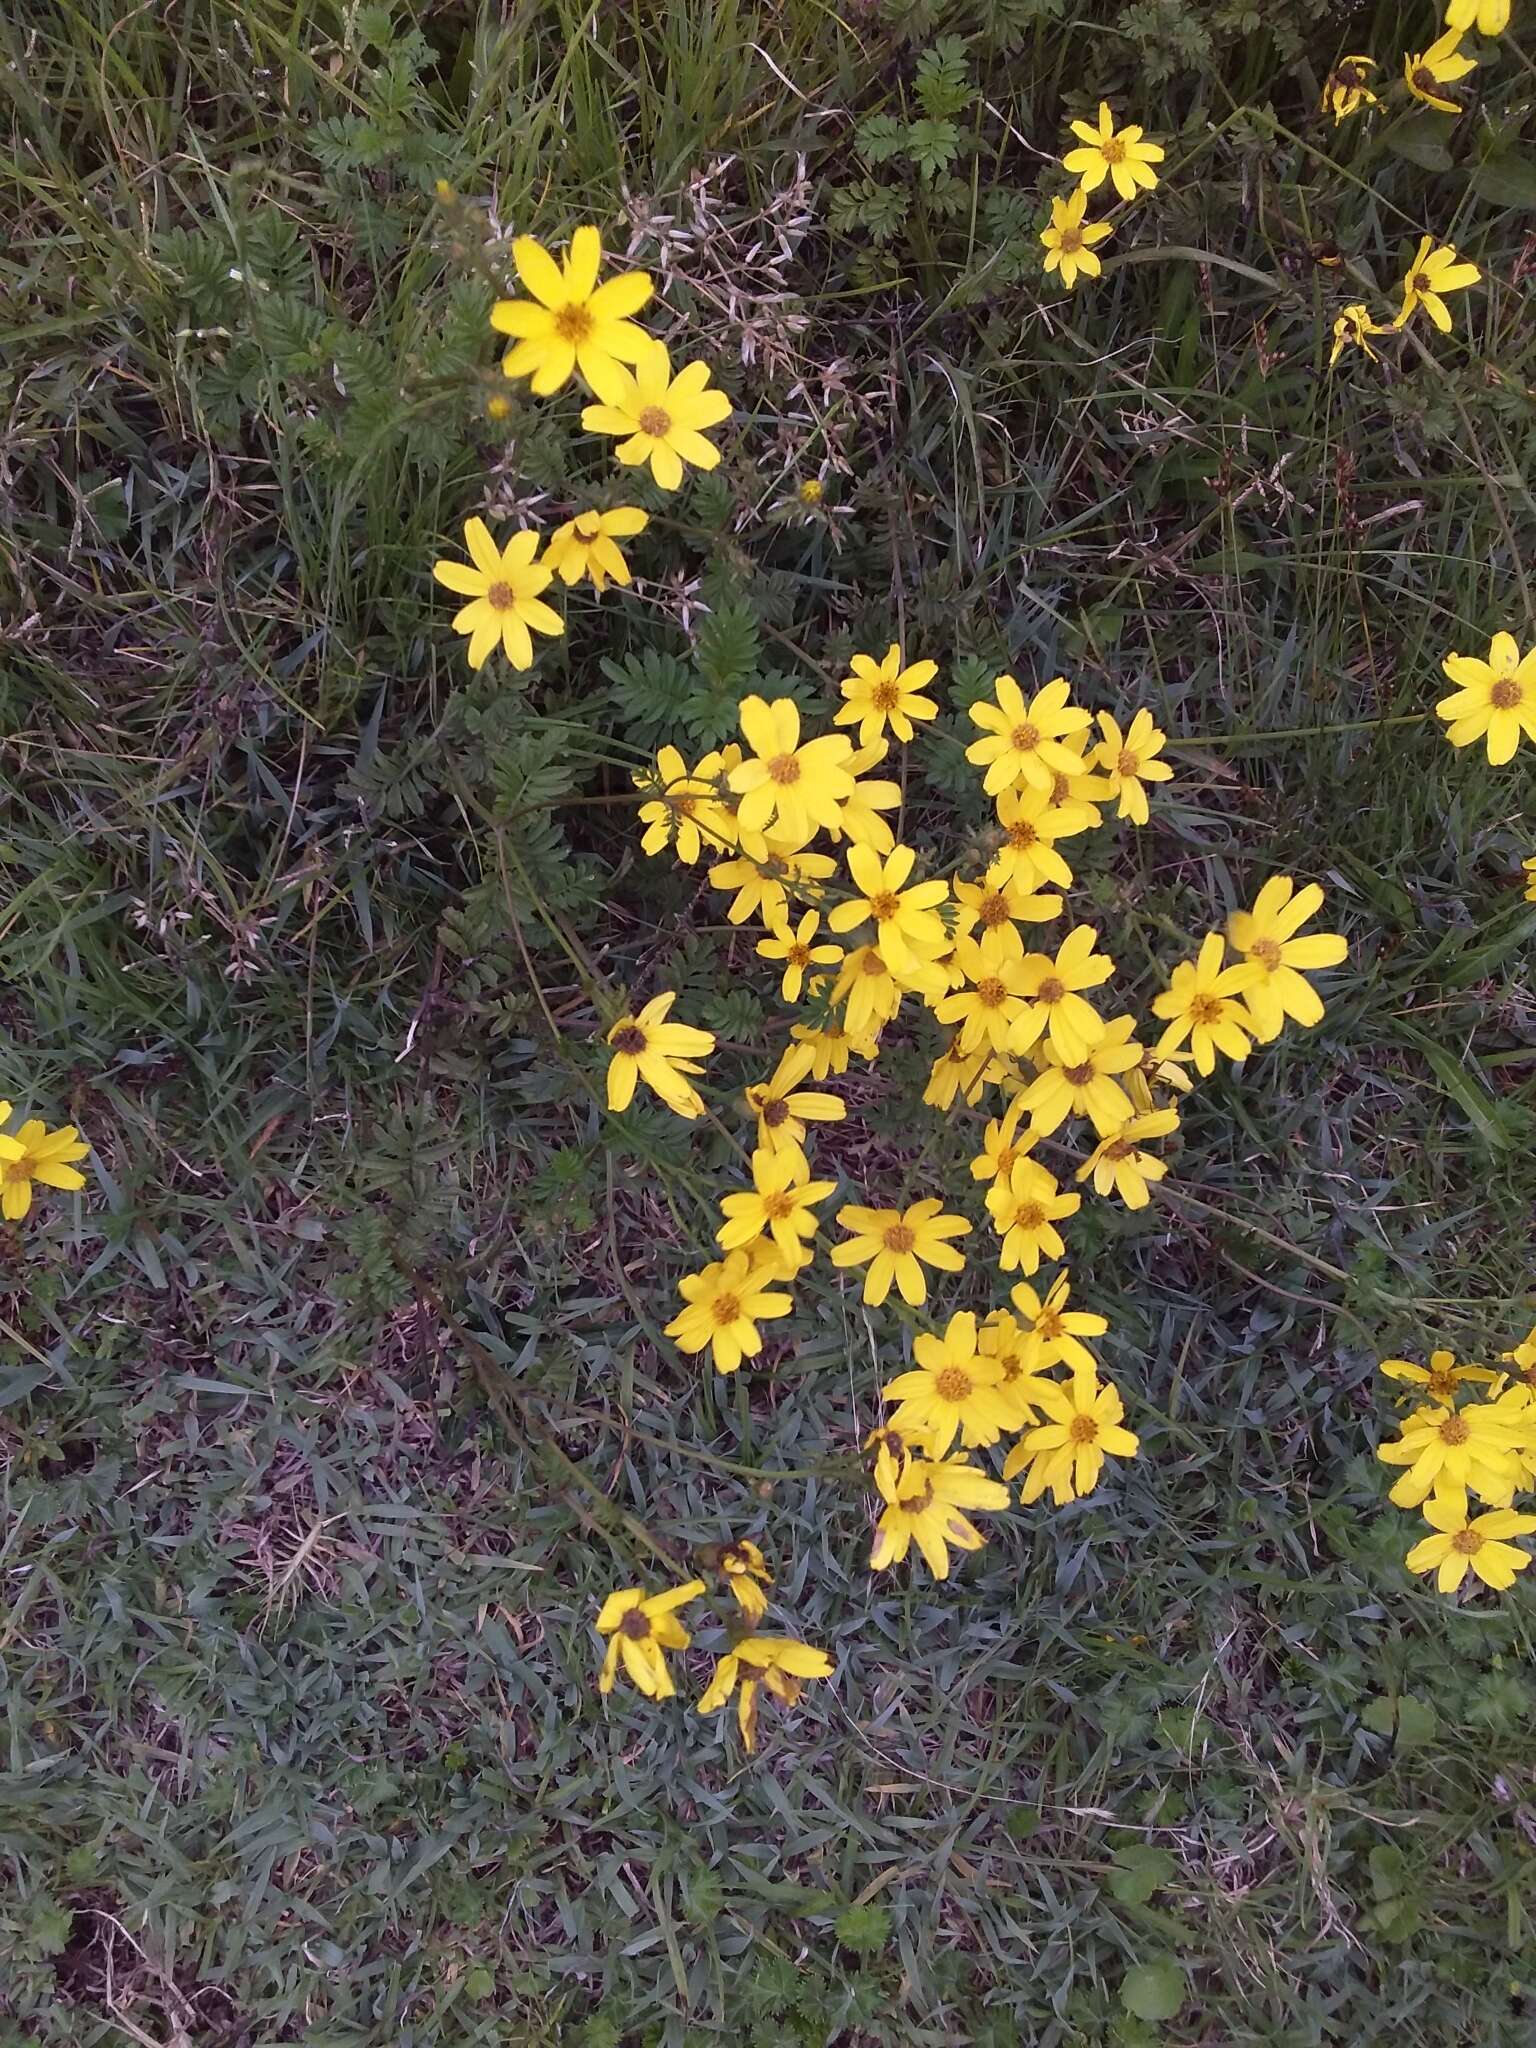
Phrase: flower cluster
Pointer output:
(1122, 156)
(568, 326)
(33, 1156)
(1427, 72)
(1455, 1450)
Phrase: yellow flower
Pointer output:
(1522, 1358)
(1075, 797)
(783, 1108)
(1352, 329)
(1025, 1209)
(859, 819)
(908, 928)
(1460, 1546)
(1266, 936)
(659, 415)
(504, 587)
(993, 996)
(799, 788)
(723, 1306)
(1131, 761)
(640, 1627)
(498, 407)
(957, 1072)
(1425, 71)
(1002, 1145)
(896, 1244)
(778, 1664)
(1120, 156)
(1121, 1166)
(884, 690)
(1528, 867)
(1085, 1418)
(588, 545)
(1069, 242)
(1023, 742)
(1203, 1002)
(1056, 1005)
(998, 904)
(36, 1154)
(780, 1203)
(795, 946)
(687, 814)
(1166, 1069)
(1086, 1085)
(951, 1389)
(646, 1048)
(924, 1498)
(831, 1044)
(812, 491)
(1345, 91)
(867, 990)
(764, 882)
(1442, 1378)
(1493, 699)
(571, 321)
(1433, 272)
(1052, 1333)
(1031, 824)
(746, 1573)
(1488, 17)
(1001, 1339)
(1456, 1448)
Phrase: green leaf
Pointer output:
(1413, 1721)
(1155, 1990)
(1507, 178)
(864, 1929)
(1420, 139)
(880, 138)
(944, 79)
(933, 145)
(479, 1982)
(1139, 1870)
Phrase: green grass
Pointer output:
(332, 1408)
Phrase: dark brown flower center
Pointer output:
(992, 910)
(1426, 81)
(1069, 241)
(798, 955)
(629, 1039)
(1079, 1076)
(1267, 953)
(1505, 694)
(774, 1112)
(635, 1625)
(1022, 836)
(1051, 990)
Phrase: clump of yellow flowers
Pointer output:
(1456, 1451)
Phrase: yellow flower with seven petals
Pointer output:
(780, 1665)
(1085, 1423)
(1267, 936)
(571, 322)
(1069, 241)
(1051, 1333)
(867, 990)
(1086, 1086)
(1425, 71)
(1119, 155)
(796, 947)
(1031, 823)
(1480, 1546)
(1203, 1002)
(639, 1628)
(1002, 1145)
(908, 928)
(647, 1048)
(896, 1244)
(952, 1389)
(588, 545)
(503, 585)
(924, 1502)
(724, 1304)
(659, 417)
(1493, 700)
(881, 691)
(1433, 272)
(1056, 1006)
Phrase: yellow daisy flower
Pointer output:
(1121, 1165)
(832, 1044)
(993, 994)
(1442, 1379)
(908, 928)
(1425, 71)
(1488, 17)
(884, 691)
(723, 1306)
(780, 1665)
(1002, 1339)
(1119, 155)
(867, 990)
(746, 1573)
(1164, 1070)
(1130, 762)
(1025, 1209)
(1031, 824)
(1479, 1546)
(997, 903)
(36, 1155)
(1002, 1145)
(588, 545)
(957, 1072)
(765, 882)
(1471, 1448)
(1086, 1086)
(1051, 1333)
(896, 1244)
(1069, 241)
(659, 416)
(951, 1389)
(795, 946)
(570, 322)
(1522, 1358)
(924, 1502)
(1022, 742)
(686, 815)
(1056, 1007)
(1494, 700)
(503, 585)
(859, 819)
(781, 1203)
(1266, 936)
(640, 1627)
(799, 788)
(647, 1048)
(1345, 91)
(1065, 1454)
(1203, 1003)
(1433, 272)
(783, 1108)
(1353, 329)
(1528, 868)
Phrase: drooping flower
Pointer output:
(957, 1072)
(796, 787)
(503, 586)
(896, 1244)
(765, 882)
(1002, 1144)
(1119, 155)
(859, 819)
(781, 1203)
(1084, 1424)
(780, 1665)
(746, 1573)
(686, 813)
(1345, 91)
(1022, 742)
(881, 692)
(1267, 937)
(1120, 1163)
(1494, 700)
(1203, 1002)
(1480, 1545)
(1353, 329)
(647, 1048)
(1426, 71)
(1471, 1448)
(1522, 1358)
(1069, 241)
(868, 991)
(570, 322)
(1051, 1332)
(796, 946)
(1442, 1379)
(1434, 271)
(951, 1390)
(588, 545)
(1086, 1086)
(640, 1627)
(1002, 1339)
(1025, 1209)
(1055, 1005)
(660, 417)
(34, 1155)
(832, 1044)
(924, 1502)
(783, 1108)
(1130, 761)
(1528, 867)
(723, 1306)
